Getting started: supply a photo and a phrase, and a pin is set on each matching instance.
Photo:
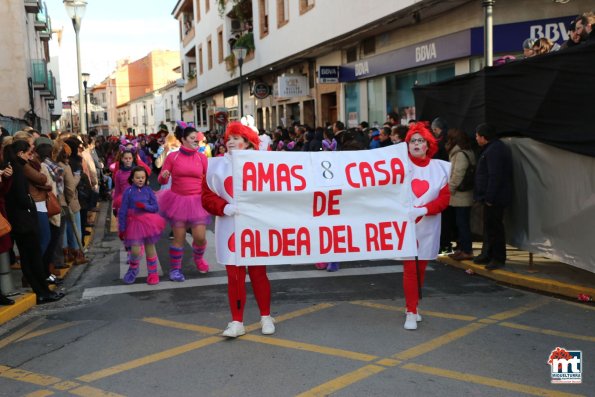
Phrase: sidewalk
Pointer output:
(544, 275)
(25, 299)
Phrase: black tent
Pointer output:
(548, 98)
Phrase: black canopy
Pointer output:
(548, 98)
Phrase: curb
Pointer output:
(22, 304)
(521, 280)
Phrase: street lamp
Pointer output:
(85, 81)
(76, 10)
(240, 53)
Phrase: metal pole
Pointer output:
(6, 284)
(488, 32)
(86, 107)
(240, 63)
(71, 118)
(76, 22)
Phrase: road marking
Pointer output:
(216, 280)
(88, 391)
(342, 382)
(294, 314)
(290, 344)
(400, 309)
(49, 330)
(22, 332)
(548, 331)
(482, 380)
(438, 342)
(184, 326)
(22, 375)
(518, 311)
(40, 393)
(152, 358)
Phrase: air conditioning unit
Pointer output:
(236, 25)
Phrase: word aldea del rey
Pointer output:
(311, 207)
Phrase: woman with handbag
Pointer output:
(73, 227)
(5, 240)
(22, 215)
(55, 177)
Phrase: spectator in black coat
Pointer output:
(493, 188)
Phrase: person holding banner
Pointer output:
(431, 196)
(217, 198)
(181, 204)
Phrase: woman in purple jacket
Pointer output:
(139, 224)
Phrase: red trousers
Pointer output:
(410, 283)
(236, 290)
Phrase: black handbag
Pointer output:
(469, 178)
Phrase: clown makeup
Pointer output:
(236, 142)
(127, 159)
(191, 141)
(139, 178)
(418, 146)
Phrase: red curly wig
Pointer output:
(237, 128)
(421, 128)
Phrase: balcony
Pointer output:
(46, 33)
(49, 93)
(191, 84)
(41, 20)
(39, 74)
(32, 6)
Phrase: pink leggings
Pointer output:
(236, 290)
(410, 283)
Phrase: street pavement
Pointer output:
(338, 334)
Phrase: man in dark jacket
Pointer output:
(493, 188)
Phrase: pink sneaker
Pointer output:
(203, 266)
(320, 265)
(153, 279)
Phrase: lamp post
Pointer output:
(76, 11)
(85, 81)
(240, 53)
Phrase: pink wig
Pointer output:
(421, 128)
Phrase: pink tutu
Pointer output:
(143, 228)
(182, 211)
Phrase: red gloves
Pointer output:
(139, 204)
(121, 235)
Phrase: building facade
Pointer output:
(27, 80)
(315, 62)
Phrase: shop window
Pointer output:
(352, 102)
(376, 103)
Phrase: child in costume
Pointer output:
(125, 163)
(431, 196)
(181, 205)
(139, 224)
(219, 201)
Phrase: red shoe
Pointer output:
(320, 265)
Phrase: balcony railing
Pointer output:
(41, 19)
(39, 74)
(46, 33)
(49, 93)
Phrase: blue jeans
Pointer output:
(69, 237)
(463, 219)
(44, 230)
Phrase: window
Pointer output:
(369, 46)
(200, 64)
(220, 44)
(282, 12)
(263, 10)
(207, 5)
(306, 5)
(209, 53)
(351, 54)
(197, 8)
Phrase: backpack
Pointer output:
(469, 177)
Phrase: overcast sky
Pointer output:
(110, 30)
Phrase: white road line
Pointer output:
(203, 282)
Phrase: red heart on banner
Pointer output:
(231, 243)
(228, 184)
(419, 187)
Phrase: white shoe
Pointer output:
(234, 329)
(418, 316)
(268, 325)
(410, 321)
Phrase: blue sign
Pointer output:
(452, 46)
(328, 74)
(509, 37)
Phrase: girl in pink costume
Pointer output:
(139, 224)
(218, 200)
(125, 164)
(430, 197)
(181, 205)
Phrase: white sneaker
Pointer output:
(410, 321)
(234, 329)
(418, 316)
(268, 325)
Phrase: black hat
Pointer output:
(485, 130)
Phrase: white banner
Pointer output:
(322, 206)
